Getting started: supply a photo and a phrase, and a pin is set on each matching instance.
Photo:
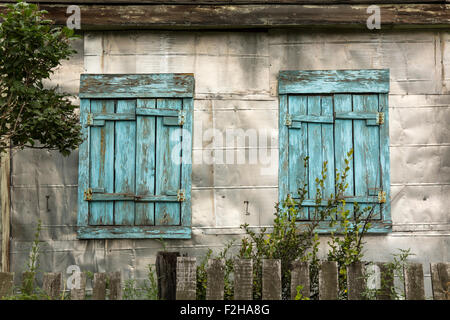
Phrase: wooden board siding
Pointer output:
(187, 16)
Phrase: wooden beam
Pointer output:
(122, 17)
(5, 209)
(229, 2)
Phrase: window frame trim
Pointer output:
(375, 81)
(135, 86)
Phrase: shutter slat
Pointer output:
(314, 147)
(297, 150)
(328, 146)
(168, 165)
(145, 163)
(102, 164)
(366, 150)
(124, 169)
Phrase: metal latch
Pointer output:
(381, 197)
(181, 195)
(380, 118)
(181, 117)
(288, 120)
(88, 194)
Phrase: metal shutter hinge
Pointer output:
(380, 118)
(89, 119)
(181, 117)
(288, 120)
(88, 194)
(381, 196)
(181, 195)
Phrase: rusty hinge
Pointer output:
(181, 195)
(381, 196)
(88, 194)
(380, 118)
(288, 120)
(89, 119)
(181, 117)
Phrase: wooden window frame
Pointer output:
(115, 86)
(362, 81)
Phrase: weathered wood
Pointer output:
(440, 280)
(115, 286)
(386, 282)
(300, 277)
(6, 283)
(224, 2)
(271, 279)
(356, 283)
(113, 17)
(99, 286)
(333, 81)
(215, 279)
(328, 281)
(414, 283)
(166, 272)
(133, 232)
(79, 293)
(186, 278)
(51, 284)
(5, 220)
(243, 279)
(175, 85)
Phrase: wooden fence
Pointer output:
(186, 282)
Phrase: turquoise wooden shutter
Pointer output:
(324, 114)
(135, 164)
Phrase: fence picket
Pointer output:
(51, 284)
(215, 279)
(6, 283)
(243, 279)
(271, 279)
(186, 278)
(356, 283)
(115, 286)
(300, 277)
(414, 286)
(99, 286)
(440, 280)
(328, 281)
(79, 293)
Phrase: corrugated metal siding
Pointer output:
(236, 81)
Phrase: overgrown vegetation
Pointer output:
(30, 50)
(147, 290)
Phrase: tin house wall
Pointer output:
(236, 80)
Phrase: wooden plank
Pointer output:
(136, 85)
(385, 208)
(300, 277)
(366, 152)
(114, 116)
(328, 146)
(101, 156)
(215, 279)
(356, 283)
(129, 196)
(168, 169)
(114, 17)
(99, 286)
(243, 279)
(134, 232)
(166, 271)
(145, 163)
(5, 221)
(79, 293)
(6, 284)
(283, 143)
(51, 284)
(315, 154)
(271, 279)
(356, 115)
(83, 164)
(148, 111)
(414, 283)
(440, 280)
(334, 81)
(186, 164)
(186, 278)
(125, 163)
(311, 118)
(328, 281)
(297, 144)
(115, 285)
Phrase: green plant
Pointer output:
(30, 50)
(299, 295)
(148, 290)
